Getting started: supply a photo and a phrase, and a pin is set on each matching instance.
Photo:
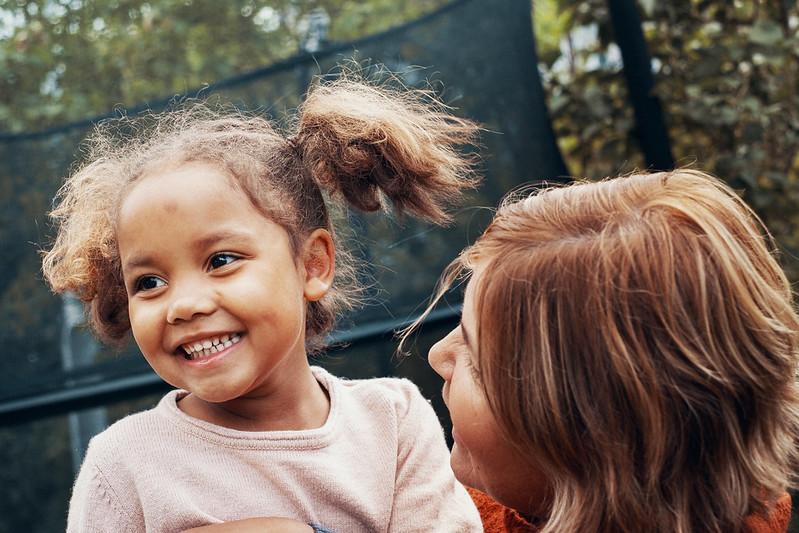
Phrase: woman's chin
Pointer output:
(463, 468)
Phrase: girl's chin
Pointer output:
(214, 396)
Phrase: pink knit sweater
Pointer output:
(379, 463)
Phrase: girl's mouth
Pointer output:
(201, 349)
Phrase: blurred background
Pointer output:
(564, 88)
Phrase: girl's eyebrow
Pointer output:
(202, 243)
(137, 261)
(220, 235)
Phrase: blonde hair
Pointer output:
(369, 145)
(637, 341)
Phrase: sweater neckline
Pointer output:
(262, 440)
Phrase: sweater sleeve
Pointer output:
(97, 505)
(427, 496)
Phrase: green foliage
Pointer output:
(71, 59)
(727, 74)
(549, 24)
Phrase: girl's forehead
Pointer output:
(180, 191)
(196, 170)
(189, 178)
(190, 208)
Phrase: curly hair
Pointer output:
(638, 341)
(371, 146)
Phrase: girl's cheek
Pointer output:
(143, 321)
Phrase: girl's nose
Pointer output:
(440, 356)
(187, 306)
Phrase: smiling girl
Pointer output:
(209, 238)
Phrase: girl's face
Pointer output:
(481, 457)
(215, 297)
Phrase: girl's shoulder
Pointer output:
(397, 394)
(387, 406)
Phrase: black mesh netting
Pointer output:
(482, 65)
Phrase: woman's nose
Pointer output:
(440, 357)
(188, 305)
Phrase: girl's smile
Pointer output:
(204, 348)
(206, 358)
(216, 293)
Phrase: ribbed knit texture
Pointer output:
(776, 521)
(379, 463)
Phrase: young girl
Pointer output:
(208, 237)
(626, 361)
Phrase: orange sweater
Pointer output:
(500, 519)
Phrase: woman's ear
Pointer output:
(319, 260)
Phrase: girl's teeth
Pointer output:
(210, 346)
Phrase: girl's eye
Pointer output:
(148, 283)
(220, 260)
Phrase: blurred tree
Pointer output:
(727, 74)
(64, 60)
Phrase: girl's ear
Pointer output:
(319, 259)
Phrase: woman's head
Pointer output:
(351, 139)
(636, 340)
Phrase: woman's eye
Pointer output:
(473, 368)
(148, 283)
(220, 260)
